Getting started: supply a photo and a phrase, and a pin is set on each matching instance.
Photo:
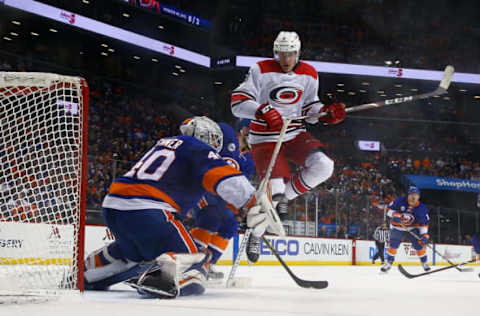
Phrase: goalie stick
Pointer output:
(261, 190)
(412, 276)
(300, 282)
(441, 89)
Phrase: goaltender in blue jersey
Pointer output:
(409, 220)
(152, 248)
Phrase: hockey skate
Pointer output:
(280, 203)
(253, 248)
(214, 275)
(426, 267)
(174, 275)
(385, 268)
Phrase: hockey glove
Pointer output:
(424, 240)
(257, 220)
(335, 113)
(270, 115)
(262, 216)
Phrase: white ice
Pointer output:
(353, 290)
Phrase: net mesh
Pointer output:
(41, 132)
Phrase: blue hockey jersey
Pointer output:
(173, 175)
(419, 214)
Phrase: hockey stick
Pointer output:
(412, 276)
(438, 253)
(300, 282)
(441, 89)
(261, 190)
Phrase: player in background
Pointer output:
(476, 246)
(475, 240)
(279, 88)
(215, 221)
(381, 236)
(408, 214)
(143, 207)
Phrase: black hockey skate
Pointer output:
(253, 248)
(386, 267)
(426, 267)
(280, 203)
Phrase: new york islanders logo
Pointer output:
(407, 219)
(286, 95)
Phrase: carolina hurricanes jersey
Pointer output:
(174, 174)
(293, 94)
(419, 215)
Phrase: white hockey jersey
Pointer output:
(293, 94)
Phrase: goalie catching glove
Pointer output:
(262, 216)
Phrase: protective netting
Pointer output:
(42, 122)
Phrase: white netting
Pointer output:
(42, 120)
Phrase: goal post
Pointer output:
(43, 180)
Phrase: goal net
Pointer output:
(43, 127)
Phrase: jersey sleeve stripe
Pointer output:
(310, 104)
(239, 97)
(129, 189)
(213, 176)
(238, 92)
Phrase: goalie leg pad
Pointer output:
(106, 267)
(173, 275)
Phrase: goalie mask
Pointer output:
(204, 129)
(286, 42)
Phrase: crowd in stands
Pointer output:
(367, 32)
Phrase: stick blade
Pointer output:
(312, 284)
(405, 272)
(447, 77)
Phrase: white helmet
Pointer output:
(204, 129)
(286, 42)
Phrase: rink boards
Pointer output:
(42, 244)
(36, 244)
(311, 251)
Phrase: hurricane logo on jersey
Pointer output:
(286, 95)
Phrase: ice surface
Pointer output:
(353, 290)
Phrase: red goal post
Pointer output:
(43, 176)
